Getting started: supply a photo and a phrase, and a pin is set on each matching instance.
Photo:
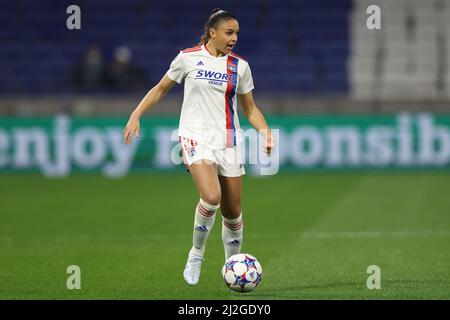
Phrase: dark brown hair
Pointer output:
(216, 17)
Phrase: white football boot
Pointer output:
(193, 267)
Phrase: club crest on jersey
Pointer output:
(232, 67)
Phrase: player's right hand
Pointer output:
(132, 128)
(269, 145)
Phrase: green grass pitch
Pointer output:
(315, 235)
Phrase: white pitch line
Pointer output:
(376, 234)
(175, 236)
(93, 237)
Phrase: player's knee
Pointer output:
(211, 198)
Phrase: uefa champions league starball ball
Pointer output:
(242, 272)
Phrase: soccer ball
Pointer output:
(242, 272)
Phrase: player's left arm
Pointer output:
(256, 119)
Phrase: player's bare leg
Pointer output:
(204, 174)
(232, 224)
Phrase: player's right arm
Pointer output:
(150, 99)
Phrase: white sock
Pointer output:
(205, 215)
(232, 231)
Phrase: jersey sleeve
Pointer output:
(177, 70)
(246, 81)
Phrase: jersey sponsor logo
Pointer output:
(216, 76)
(200, 63)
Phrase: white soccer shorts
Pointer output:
(229, 161)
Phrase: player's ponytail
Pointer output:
(216, 17)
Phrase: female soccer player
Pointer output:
(209, 130)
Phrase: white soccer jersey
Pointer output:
(209, 113)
